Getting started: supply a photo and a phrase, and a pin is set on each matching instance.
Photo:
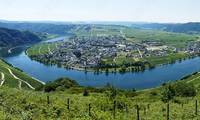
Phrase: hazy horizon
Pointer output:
(152, 11)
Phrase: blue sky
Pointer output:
(101, 10)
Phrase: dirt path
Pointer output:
(40, 50)
(193, 79)
(49, 50)
(2, 78)
(20, 80)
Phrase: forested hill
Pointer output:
(10, 37)
(191, 28)
(184, 28)
(60, 29)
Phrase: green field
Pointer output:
(168, 38)
(41, 49)
(166, 59)
(98, 30)
(137, 35)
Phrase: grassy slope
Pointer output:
(13, 82)
(19, 104)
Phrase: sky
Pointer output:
(162, 11)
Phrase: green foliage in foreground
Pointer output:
(79, 103)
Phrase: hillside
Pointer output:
(184, 28)
(9, 37)
(61, 29)
(190, 28)
(15, 78)
(99, 104)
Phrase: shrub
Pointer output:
(59, 84)
(168, 93)
(184, 90)
(85, 93)
(180, 89)
(153, 93)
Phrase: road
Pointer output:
(139, 52)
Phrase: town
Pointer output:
(92, 51)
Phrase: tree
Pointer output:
(180, 89)
(168, 93)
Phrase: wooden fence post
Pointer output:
(68, 102)
(40, 99)
(138, 112)
(145, 111)
(90, 109)
(126, 108)
(114, 109)
(48, 102)
(196, 111)
(182, 105)
(167, 111)
(148, 106)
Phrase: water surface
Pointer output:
(141, 80)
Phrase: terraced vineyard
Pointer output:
(13, 77)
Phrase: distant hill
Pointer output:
(184, 28)
(190, 28)
(61, 29)
(10, 37)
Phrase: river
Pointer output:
(141, 80)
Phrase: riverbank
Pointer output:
(135, 66)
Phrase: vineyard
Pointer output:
(72, 104)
